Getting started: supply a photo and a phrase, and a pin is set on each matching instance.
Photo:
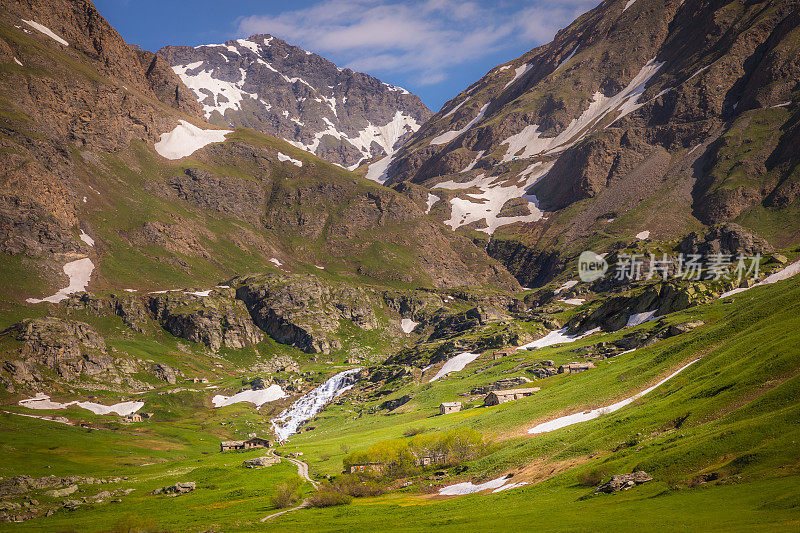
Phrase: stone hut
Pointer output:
(505, 352)
(449, 407)
(365, 467)
(254, 442)
(510, 395)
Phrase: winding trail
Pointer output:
(302, 471)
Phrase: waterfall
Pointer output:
(289, 421)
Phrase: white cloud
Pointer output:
(422, 38)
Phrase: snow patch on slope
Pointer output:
(47, 31)
(455, 364)
(256, 397)
(186, 139)
(448, 136)
(79, 273)
(42, 401)
(284, 157)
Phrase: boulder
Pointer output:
(176, 489)
(624, 481)
(164, 372)
(60, 493)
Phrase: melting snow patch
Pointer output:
(432, 199)
(79, 273)
(408, 325)
(474, 161)
(567, 58)
(85, 238)
(785, 273)
(642, 235)
(17, 61)
(784, 104)
(510, 486)
(556, 337)
(200, 293)
(566, 286)
(378, 171)
(640, 318)
(256, 397)
(47, 31)
(186, 139)
(468, 487)
(518, 73)
(42, 401)
(129, 290)
(284, 157)
(585, 416)
(454, 364)
(448, 136)
(573, 301)
(276, 262)
(456, 108)
(629, 4)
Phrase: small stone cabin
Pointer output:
(133, 417)
(365, 467)
(575, 368)
(254, 442)
(505, 352)
(510, 395)
(449, 407)
(429, 459)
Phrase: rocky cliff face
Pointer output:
(269, 85)
(686, 104)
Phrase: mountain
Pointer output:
(264, 83)
(174, 292)
(635, 106)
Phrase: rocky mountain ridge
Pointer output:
(264, 83)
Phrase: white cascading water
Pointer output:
(289, 421)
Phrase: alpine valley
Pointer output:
(242, 288)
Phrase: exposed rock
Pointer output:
(213, 320)
(502, 384)
(72, 505)
(126, 306)
(176, 489)
(69, 347)
(260, 462)
(60, 493)
(454, 324)
(624, 481)
(304, 312)
(728, 238)
(164, 372)
(391, 405)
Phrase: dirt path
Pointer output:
(302, 471)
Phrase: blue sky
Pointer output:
(434, 48)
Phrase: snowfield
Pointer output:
(85, 238)
(585, 416)
(42, 401)
(408, 325)
(455, 364)
(640, 318)
(47, 31)
(460, 489)
(256, 397)
(186, 139)
(284, 157)
(79, 273)
(556, 337)
(448, 136)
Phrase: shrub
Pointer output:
(329, 498)
(356, 486)
(287, 493)
(591, 478)
(410, 432)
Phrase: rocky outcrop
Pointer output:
(501, 384)
(727, 238)
(624, 482)
(124, 305)
(166, 85)
(177, 489)
(215, 320)
(304, 312)
(261, 462)
(454, 324)
(73, 349)
(164, 372)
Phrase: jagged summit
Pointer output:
(269, 85)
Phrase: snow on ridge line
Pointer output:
(518, 73)
(284, 157)
(43, 401)
(455, 364)
(47, 31)
(448, 136)
(79, 273)
(585, 416)
(256, 397)
(186, 139)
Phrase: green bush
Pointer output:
(591, 478)
(287, 493)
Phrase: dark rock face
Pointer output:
(164, 372)
(214, 320)
(727, 238)
(506, 383)
(266, 84)
(391, 405)
(71, 348)
(458, 323)
(242, 198)
(304, 312)
(178, 488)
(126, 306)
